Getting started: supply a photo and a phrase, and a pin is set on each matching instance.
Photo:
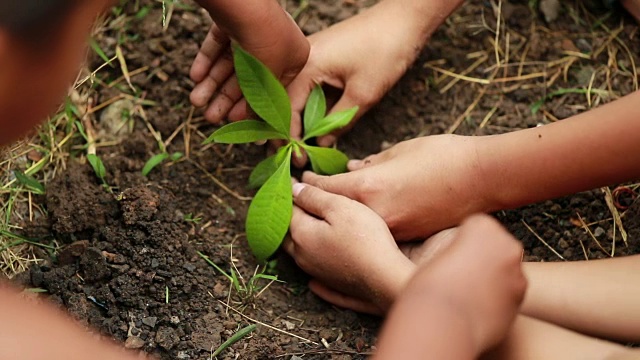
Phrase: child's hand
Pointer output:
(418, 187)
(470, 293)
(346, 246)
(273, 37)
(364, 56)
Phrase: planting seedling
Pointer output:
(270, 211)
(99, 170)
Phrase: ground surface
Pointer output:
(127, 263)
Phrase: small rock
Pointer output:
(133, 342)
(288, 325)
(154, 263)
(598, 232)
(114, 118)
(550, 9)
(230, 324)
(219, 290)
(183, 355)
(175, 320)
(583, 45)
(71, 253)
(328, 334)
(150, 321)
(189, 267)
(167, 338)
(563, 244)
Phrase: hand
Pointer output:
(364, 56)
(419, 253)
(276, 41)
(418, 187)
(346, 246)
(471, 292)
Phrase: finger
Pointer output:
(241, 111)
(349, 99)
(214, 44)
(220, 72)
(341, 300)
(346, 184)
(226, 98)
(289, 246)
(315, 201)
(354, 165)
(304, 229)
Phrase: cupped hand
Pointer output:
(284, 52)
(418, 186)
(364, 56)
(346, 246)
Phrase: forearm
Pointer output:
(242, 19)
(593, 149)
(423, 16)
(33, 331)
(578, 295)
(423, 326)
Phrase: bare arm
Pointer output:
(598, 297)
(592, 149)
(33, 331)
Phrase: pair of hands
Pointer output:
(335, 56)
(473, 271)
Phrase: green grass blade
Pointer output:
(326, 161)
(269, 214)
(263, 91)
(315, 109)
(97, 165)
(98, 50)
(245, 131)
(29, 182)
(235, 338)
(206, 258)
(332, 122)
(153, 162)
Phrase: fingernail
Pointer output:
(261, 142)
(296, 188)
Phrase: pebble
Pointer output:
(175, 320)
(598, 232)
(150, 321)
(133, 342)
(550, 9)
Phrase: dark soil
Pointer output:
(129, 265)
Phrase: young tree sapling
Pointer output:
(270, 210)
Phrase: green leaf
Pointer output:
(176, 156)
(270, 212)
(327, 161)
(29, 182)
(245, 131)
(315, 109)
(266, 168)
(97, 165)
(234, 339)
(153, 162)
(263, 91)
(331, 122)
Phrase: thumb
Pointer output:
(315, 201)
(347, 184)
(299, 90)
(350, 98)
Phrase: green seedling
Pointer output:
(158, 159)
(99, 170)
(29, 182)
(270, 211)
(190, 218)
(247, 291)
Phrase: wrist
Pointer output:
(392, 279)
